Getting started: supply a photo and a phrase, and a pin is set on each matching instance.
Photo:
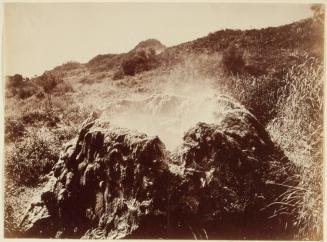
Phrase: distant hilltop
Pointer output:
(150, 44)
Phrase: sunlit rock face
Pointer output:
(216, 180)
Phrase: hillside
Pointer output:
(257, 53)
(265, 49)
(264, 85)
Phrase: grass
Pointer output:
(298, 129)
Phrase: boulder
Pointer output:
(231, 177)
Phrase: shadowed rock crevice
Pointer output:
(112, 182)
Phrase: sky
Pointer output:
(40, 36)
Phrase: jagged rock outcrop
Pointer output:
(112, 182)
(229, 180)
(108, 177)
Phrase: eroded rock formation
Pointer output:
(112, 182)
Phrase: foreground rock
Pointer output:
(115, 183)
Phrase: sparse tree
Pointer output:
(16, 80)
(48, 82)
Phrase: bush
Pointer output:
(62, 88)
(43, 118)
(14, 129)
(31, 158)
(21, 87)
(118, 75)
(74, 115)
(25, 92)
(40, 95)
(233, 59)
(48, 81)
(139, 62)
(16, 80)
(65, 134)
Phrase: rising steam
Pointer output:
(174, 104)
(176, 107)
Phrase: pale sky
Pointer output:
(40, 36)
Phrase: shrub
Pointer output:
(40, 95)
(14, 129)
(43, 118)
(48, 81)
(65, 134)
(118, 75)
(233, 59)
(26, 91)
(15, 80)
(62, 88)
(74, 115)
(139, 62)
(21, 87)
(31, 158)
(129, 67)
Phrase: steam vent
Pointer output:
(118, 183)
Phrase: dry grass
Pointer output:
(298, 129)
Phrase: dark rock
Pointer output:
(108, 178)
(223, 190)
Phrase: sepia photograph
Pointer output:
(163, 120)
